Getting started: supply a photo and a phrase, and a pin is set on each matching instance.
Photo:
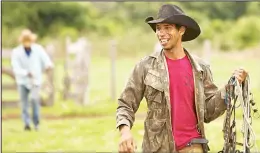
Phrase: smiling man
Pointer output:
(178, 88)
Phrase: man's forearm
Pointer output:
(124, 128)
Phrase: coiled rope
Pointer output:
(242, 93)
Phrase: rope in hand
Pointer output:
(242, 93)
(247, 129)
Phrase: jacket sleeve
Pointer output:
(130, 98)
(16, 65)
(214, 98)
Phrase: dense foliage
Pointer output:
(228, 24)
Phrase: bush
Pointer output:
(232, 35)
(226, 29)
(42, 15)
(10, 37)
(246, 32)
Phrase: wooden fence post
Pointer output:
(113, 69)
(50, 48)
(207, 50)
(82, 66)
(77, 70)
(66, 80)
(86, 60)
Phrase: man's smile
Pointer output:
(164, 41)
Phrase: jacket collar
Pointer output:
(159, 56)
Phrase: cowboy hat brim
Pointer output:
(192, 27)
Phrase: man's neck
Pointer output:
(175, 53)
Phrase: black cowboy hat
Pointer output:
(172, 14)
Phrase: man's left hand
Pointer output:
(240, 74)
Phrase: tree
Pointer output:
(41, 16)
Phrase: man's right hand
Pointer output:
(126, 144)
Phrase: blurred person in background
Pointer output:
(29, 61)
(178, 88)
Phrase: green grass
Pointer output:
(90, 134)
(10, 95)
(87, 135)
(98, 134)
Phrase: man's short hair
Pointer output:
(178, 26)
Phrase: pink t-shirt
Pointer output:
(183, 113)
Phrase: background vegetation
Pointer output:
(231, 25)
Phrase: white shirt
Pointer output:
(36, 63)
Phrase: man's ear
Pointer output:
(182, 30)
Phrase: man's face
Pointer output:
(168, 35)
(27, 43)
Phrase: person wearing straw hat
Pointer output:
(29, 60)
(178, 88)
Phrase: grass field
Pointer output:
(86, 135)
(99, 134)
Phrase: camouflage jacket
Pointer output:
(150, 79)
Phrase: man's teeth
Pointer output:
(164, 41)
